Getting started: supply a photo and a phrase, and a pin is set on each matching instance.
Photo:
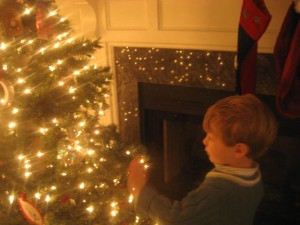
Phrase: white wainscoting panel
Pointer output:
(199, 15)
(126, 14)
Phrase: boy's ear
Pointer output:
(241, 150)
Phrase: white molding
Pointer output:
(82, 15)
(173, 46)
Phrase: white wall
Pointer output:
(191, 24)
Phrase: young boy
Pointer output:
(239, 129)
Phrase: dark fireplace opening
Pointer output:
(170, 128)
(174, 143)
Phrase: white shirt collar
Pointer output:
(238, 171)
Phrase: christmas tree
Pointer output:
(58, 164)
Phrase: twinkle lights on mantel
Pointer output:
(181, 67)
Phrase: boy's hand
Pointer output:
(137, 176)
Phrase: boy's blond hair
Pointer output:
(242, 119)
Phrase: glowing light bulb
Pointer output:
(43, 130)
(53, 188)
(20, 81)
(27, 11)
(82, 124)
(116, 181)
(37, 195)
(3, 101)
(51, 68)
(27, 174)
(90, 152)
(114, 213)
(90, 209)
(15, 110)
(12, 125)
(137, 219)
(70, 40)
(40, 154)
(27, 91)
(47, 199)
(78, 148)
(11, 199)
(42, 50)
(27, 166)
(3, 46)
(53, 13)
(72, 90)
(82, 185)
(21, 157)
(130, 199)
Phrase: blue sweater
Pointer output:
(227, 196)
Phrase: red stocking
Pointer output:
(254, 20)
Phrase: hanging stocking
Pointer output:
(287, 59)
(254, 20)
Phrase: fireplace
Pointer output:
(162, 96)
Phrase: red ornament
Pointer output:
(64, 199)
(44, 22)
(29, 211)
